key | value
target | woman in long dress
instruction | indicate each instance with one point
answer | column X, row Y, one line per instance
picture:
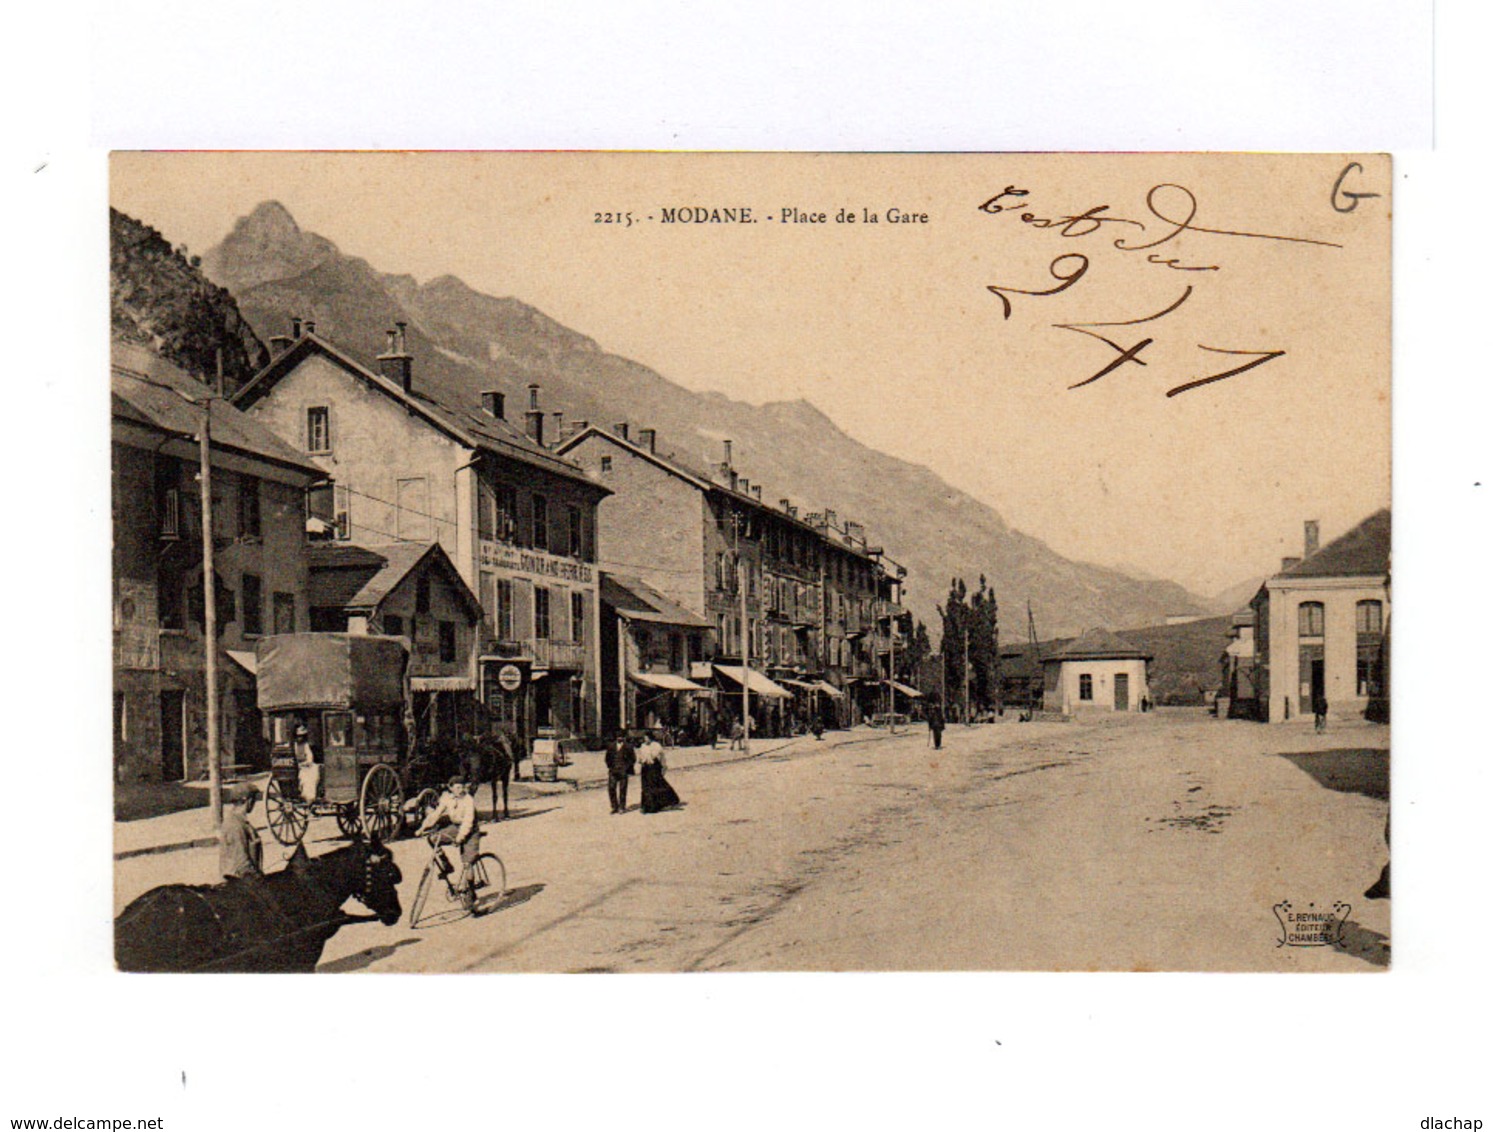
column 657, row 793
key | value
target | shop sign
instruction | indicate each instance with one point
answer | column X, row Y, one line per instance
column 535, row 563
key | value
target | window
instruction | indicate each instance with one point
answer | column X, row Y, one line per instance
column 413, row 520
column 447, row 631
column 284, row 613
column 1085, row 686
column 393, row 625
column 541, row 613
column 676, row 651
column 121, row 718
column 248, row 507
column 342, row 507
column 171, row 513
column 252, row 597
column 422, row 594
column 507, row 503
column 504, row 624
column 573, row 516
column 487, row 511
column 606, row 465
column 1309, row 619
column 578, row 618
column 318, row 429
column 1370, row 616
column 541, row 523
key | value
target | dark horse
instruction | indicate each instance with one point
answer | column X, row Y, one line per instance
column 279, row 922
column 490, row 758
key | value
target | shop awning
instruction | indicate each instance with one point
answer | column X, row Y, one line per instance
column 442, row 684
column 911, row 693
column 828, row 689
column 667, row 681
column 801, row 685
column 759, row 684
column 244, row 660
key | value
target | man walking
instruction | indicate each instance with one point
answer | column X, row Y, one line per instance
column 621, row 758
column 936, row 725
column 1319, row 711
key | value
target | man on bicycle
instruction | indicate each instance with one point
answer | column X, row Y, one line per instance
column 456, row 819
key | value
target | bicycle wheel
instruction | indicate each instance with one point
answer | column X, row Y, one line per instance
column 422, row 894
column 489, row 883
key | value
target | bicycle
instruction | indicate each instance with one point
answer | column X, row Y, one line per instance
column 486, row 890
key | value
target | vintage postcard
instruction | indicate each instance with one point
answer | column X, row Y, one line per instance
column 612, row 562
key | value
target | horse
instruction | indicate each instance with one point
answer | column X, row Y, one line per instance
column 489, row 758
column 278, row 922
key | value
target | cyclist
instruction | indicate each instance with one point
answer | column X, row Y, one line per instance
column 455, row 817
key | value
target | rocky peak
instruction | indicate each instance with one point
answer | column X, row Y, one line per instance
column 265, row 246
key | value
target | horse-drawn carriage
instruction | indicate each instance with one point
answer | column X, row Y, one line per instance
column 351, row 695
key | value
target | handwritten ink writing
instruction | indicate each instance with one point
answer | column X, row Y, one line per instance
column 1260, row 358
column 993, row 205
column 1130, row 355
column 1177, row 264
column 1066, row 281
column 1185, row 223
column 1340, row 194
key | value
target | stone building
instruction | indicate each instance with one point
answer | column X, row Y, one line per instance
column 1321, row 627
column 259, row 486
column 1096, row 672
column 818, row 599
column 413, row 462
column 411, row 590
column 649, row 647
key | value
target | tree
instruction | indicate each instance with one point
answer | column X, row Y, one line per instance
column 971, row 647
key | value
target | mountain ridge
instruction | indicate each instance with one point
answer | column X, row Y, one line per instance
column 464, row 340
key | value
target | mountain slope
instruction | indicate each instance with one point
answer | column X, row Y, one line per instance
column 159, row 298
column 463, row 339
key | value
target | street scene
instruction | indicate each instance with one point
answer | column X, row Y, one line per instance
column 1015, row 612
column 1105, row 846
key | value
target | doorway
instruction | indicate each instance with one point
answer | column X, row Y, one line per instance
column 1122, row 691
column 173, row 736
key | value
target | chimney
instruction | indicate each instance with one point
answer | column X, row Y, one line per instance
column 1313, row 529
column 534, row 416
column 279, row 344
column 757, row 491
column 786, row 505
column 559, row 433
column 829, row 518
column 1287, row 563
column 311, row 326
column 620, row 430
column 394, row 363
column 492, row 403
column 648, row 438
column 792, row 511
column 745, row 485
column 578, row 427
column 295, row 328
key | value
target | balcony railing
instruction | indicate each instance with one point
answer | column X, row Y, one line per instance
column 558, row 654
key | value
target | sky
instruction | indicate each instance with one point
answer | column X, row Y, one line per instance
column 1257, row 261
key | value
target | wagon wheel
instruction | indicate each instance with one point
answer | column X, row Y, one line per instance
column 287, row 817
column 348, row 820
column 380, row 804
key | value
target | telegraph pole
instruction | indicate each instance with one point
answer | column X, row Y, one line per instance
column 210, row 614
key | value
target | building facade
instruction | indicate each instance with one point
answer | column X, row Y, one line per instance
column 258, row 489
column 650, row 646
column 805, row 598
column 1321, row 628
column 411, row 463
column 1096, row 672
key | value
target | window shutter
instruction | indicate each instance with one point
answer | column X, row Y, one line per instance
column 523, row 609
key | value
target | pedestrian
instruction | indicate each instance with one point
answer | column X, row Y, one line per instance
column 738, row 736
column 936, row 725
column 657, row 793
column 240, row 851
column 816, row 725
column 1319, row 711
column 308, row 773
column 621, row 759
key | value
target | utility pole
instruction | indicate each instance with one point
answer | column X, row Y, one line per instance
column 892, row 662
column 966, row 676
column 210, row 613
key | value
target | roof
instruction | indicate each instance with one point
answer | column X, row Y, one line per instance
column 1242, row 617
column 1362, row 552
column 148, row 390
column 1099, row 644
column 452, row 412
column 704, row 481
column 347, row 576
column 635, row 600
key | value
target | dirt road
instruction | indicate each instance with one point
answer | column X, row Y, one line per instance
column 1157, row 842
